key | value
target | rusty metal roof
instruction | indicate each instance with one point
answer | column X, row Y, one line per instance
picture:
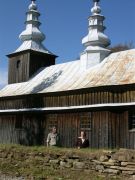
column 116, row 69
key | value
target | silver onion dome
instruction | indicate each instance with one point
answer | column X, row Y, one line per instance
column 96, row 36
column 32, row 31
column 95, row 42
column 32, row 37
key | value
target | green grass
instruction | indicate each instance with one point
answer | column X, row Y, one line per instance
column 30, row 162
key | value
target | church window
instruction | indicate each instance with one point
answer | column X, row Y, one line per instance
column 86, row 121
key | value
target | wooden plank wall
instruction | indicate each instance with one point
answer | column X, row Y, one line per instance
column 118, row 130
column 20, row 74
column 7, row 134
column 44, row 60
column 100, row 130
column 68, row 128
column 28, row 65
column 41, row 100
column 30, row 132
column 109, row 130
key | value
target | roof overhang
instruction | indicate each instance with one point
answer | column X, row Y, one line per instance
column 30, row 50
column 94, row 107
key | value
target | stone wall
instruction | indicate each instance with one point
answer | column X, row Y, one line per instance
column 116, row 163
column 120, row 162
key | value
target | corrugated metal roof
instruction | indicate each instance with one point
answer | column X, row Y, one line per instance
column 116, row 69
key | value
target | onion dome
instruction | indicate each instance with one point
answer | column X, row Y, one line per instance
column 96, row 36
column 96, row 42
column 32, row 37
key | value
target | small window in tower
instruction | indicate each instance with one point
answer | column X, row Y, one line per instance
column 18, row 122
column 86, row 121
column 18, row 64
column 131, row 120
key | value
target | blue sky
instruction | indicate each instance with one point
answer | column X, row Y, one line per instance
column 64, row 23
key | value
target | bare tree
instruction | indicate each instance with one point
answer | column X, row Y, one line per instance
column 122, row 47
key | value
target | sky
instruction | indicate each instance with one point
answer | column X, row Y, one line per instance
column 65, row 23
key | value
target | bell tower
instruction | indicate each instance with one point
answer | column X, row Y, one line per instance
column 31, row 55
column 96, row 42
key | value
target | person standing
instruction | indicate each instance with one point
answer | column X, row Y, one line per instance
column 82, row 141
column 53, row 138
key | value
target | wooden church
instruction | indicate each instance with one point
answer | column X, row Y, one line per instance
column 95, row 93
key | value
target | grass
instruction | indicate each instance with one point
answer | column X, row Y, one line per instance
column 30, row 162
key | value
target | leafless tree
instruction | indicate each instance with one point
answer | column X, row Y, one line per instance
column 122, row 47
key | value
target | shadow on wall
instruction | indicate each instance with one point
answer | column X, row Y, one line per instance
column 47, row 82
column 31, row 134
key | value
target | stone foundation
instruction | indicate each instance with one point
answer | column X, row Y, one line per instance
column 116, row 163
column 120, row 162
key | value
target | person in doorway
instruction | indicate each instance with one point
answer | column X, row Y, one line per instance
column 53, row 138
column 82, row 141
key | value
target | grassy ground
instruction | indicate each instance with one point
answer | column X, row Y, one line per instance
column 30, row 163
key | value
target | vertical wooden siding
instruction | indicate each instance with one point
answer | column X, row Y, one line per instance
column 108, row 129
column 68, row 128
column 30, row 132
column 40, row 100
column 20, row 74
